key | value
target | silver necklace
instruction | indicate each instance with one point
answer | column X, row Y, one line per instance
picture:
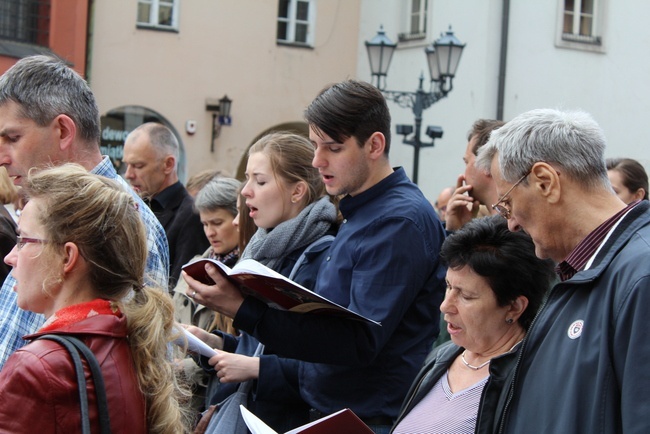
column 476, row 368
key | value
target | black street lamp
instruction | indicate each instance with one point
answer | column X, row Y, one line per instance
column 443, row 57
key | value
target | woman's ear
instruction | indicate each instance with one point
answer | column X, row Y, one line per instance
column 517, row 307
column 70, row 256
column 299, row 192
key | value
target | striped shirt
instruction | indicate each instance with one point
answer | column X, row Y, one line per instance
column 586, row 248
column 16, row 323
column 443, row 412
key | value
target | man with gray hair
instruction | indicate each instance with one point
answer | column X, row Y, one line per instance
column 580, row 367
column 48, row 115
column 151, row 158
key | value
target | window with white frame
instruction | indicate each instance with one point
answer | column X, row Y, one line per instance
column 296, row 22
column 160, row 14
column 416, row 21
column 580, row 21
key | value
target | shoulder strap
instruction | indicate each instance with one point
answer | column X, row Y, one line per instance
column 74, row 347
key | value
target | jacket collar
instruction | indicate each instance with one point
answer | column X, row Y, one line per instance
column 103, row 325
column 637, row 218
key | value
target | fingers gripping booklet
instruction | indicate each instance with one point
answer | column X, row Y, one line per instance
column 278, row 292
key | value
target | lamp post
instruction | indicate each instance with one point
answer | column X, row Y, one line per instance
column 443, row 57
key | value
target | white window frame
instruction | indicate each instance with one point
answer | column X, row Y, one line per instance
column 423, row 18
column 573, row 40
column 153, row 14
column 291, row 22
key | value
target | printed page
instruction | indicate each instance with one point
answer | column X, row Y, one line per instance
column 254, row 423
column 194, row 344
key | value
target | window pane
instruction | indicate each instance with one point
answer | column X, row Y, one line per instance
column 301, row 33
column 568, row 23
column 415, row 24
column 282, row 31
column 415, row 6
column 302, row 11
column 587, row 7
column 585, row 26
column 165, row 15
column 144, row 10
column 569, row 6
column 283, row 9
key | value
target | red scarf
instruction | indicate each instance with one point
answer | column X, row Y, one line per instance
column 77, row 312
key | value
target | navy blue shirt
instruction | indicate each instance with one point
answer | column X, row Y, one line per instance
column 383, row 264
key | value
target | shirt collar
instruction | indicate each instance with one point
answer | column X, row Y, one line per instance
column 350, row 203
column 165, row 197
column 587, row 248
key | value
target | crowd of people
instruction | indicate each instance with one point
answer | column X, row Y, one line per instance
column 516, row 303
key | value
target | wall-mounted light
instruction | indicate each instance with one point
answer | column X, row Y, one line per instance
column 220, row 115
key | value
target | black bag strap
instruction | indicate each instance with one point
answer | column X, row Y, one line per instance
column 74, row 347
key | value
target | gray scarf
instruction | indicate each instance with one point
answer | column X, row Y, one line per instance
column 270, row 247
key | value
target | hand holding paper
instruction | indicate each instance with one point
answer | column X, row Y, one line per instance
column 194, row 344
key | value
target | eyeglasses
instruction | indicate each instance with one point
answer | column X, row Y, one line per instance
column 503, row 209
column 21, row 241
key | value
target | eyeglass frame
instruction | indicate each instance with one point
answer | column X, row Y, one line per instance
column 23, row 241
column 501, row 209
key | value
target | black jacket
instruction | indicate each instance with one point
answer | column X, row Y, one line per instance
column 494, row 393
column 174, row 208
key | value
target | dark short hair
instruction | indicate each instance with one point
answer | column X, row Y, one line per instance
column 350, row 109
column 482, row 129
column 632, row 172
column 505, row 259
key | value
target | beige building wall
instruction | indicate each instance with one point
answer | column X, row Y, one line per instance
column 222, row 47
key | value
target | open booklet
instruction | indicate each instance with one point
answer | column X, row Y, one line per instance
column 271, row 287
column 341, row 422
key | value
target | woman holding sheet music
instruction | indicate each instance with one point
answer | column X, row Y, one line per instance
column 82, row 248
column 296, row 221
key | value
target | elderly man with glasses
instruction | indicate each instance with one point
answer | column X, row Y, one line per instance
column 581, row 364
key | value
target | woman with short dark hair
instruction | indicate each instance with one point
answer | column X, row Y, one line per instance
column 495, row 285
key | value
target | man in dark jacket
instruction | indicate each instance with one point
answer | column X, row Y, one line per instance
column 151, row 156
column 580, row 367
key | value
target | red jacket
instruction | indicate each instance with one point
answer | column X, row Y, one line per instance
column 38, row 386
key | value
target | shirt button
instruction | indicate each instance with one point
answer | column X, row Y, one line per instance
column 345, row 220
column 328, row 258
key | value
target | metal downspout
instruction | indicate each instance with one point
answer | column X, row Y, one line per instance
column 503, row 56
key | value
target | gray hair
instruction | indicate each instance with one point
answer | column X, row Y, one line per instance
column 219, row 193
column 571, row 140
column 44, row 87
column 161, row 138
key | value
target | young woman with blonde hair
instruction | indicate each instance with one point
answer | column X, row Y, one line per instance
column 286, row 198
column 80, row 260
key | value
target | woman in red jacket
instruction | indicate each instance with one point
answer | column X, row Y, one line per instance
column 80, row 261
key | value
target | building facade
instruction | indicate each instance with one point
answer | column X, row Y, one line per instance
column 519, row 55
column 173, row 60
column 178, row 58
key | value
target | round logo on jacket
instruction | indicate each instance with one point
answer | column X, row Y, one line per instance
column 575, row 329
